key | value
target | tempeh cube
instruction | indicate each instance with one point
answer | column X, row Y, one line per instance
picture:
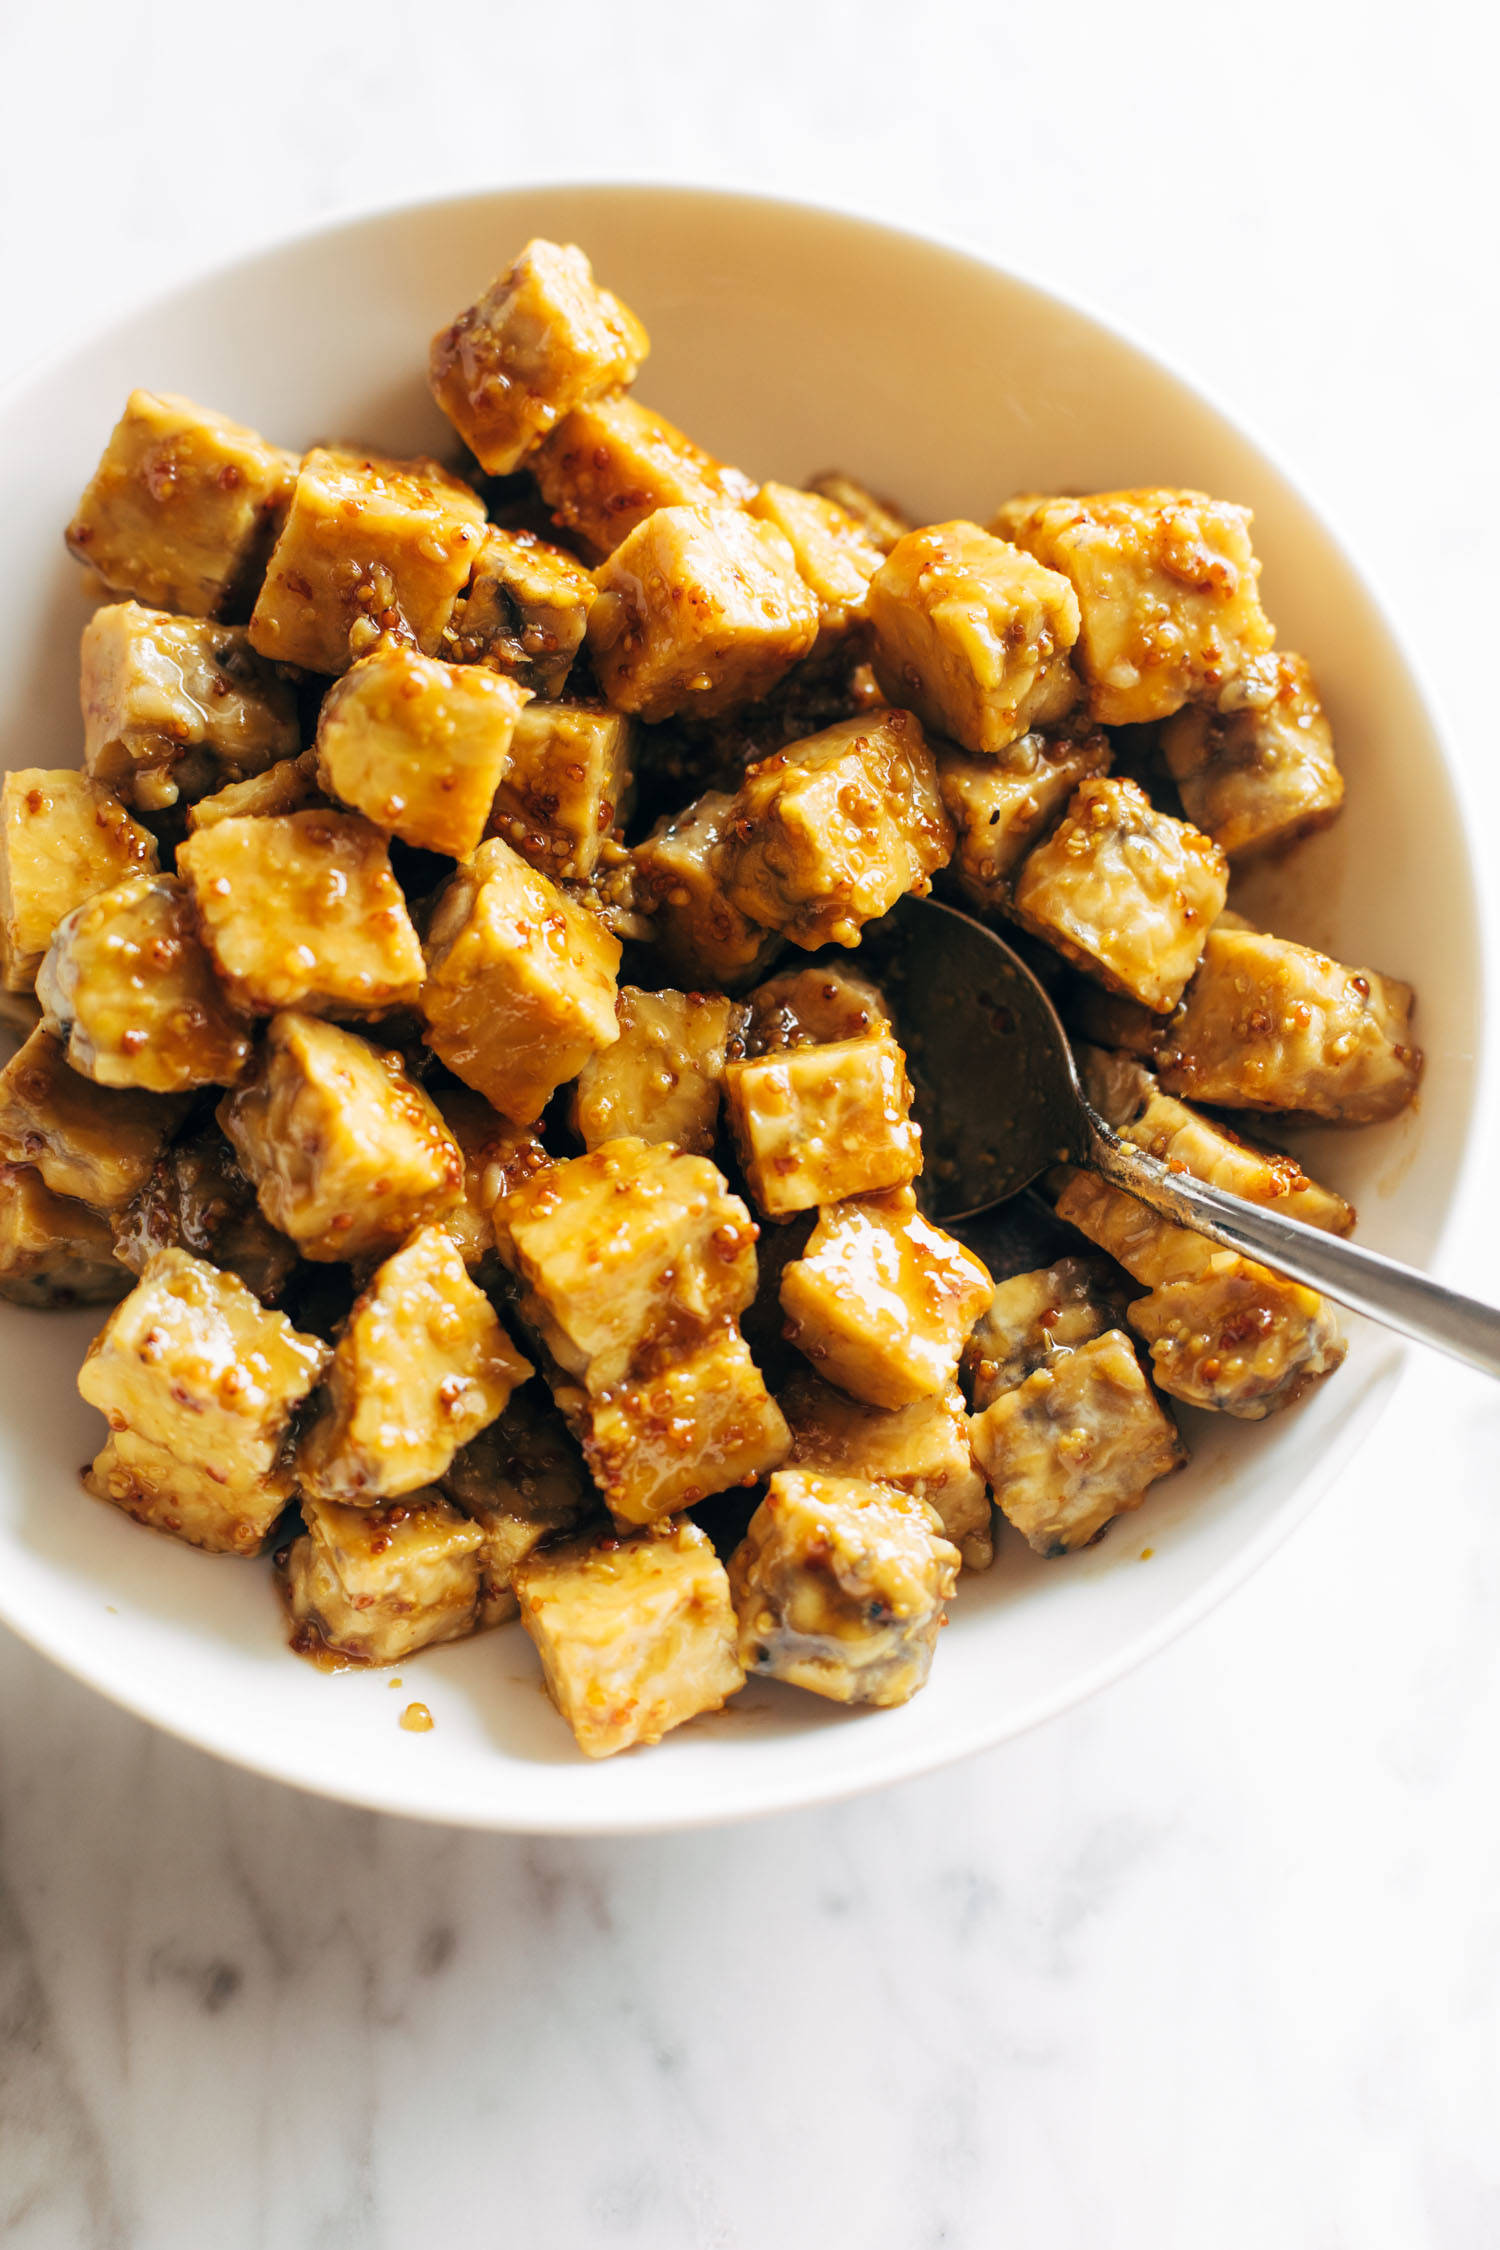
column 880, row 520
column 1267, row 1024
column 54, row 1251
column 813, row 1007
column 543, row 339
column 63, row 836
column 564, row 785
column 1077, row 1443
column 700, row 1421
column 635, row 1635
column 175, row 707
column 1033, row 1319
column 368, row 542
column 661, row 1080
column 698, row 610
column 199, row 1384
column 629, row 1246
column 374, row 1585
column 496, row 1156
column 816, row 1124
column 199, row 1199
column 1168, row 592
column 525, row 611
column 613, row 463
column 881, row 1301
column 680, row 871
column 422, row 1366
column 1255, row 768
column 973, row 636
column 301, row 910
column 834, row 553
column 183, row 507
column 922, row 1449
column 418, row 746
column 287, row 787
column 1000, row 807
column 129, row 984
column 1124, row 892
column 839, row 1586
column 93, row 1142
column 830, row 832
column 522, row 1482
column 520, row 984
column 347, row 1155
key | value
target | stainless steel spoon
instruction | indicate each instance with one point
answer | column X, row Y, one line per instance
column 999, row 1099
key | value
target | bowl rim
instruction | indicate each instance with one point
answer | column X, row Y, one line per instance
column 964, row 1742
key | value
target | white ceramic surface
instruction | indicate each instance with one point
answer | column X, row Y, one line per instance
column 788, row 340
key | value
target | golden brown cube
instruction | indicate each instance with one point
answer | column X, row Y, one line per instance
column 421, row 1366
column 1271, row 1025
column 183, row 507
column 176, row 706
column 1033, row 1319
column 1168, row 593
column 698, row 610
column 613, row 463
column 839, row 1587
column 53, row 1250
column 881, row 1301
column 347, row 1155
column 287, row 787
column 700, row 1421
column 813, row 1007
column 1256, row 768
column 524, row 613
column 880, row 520
column 635, row 1635
column 199, row 1199
column 973, row 636
column 128, row 983
column 632, row 1245
column 1000, row 807
column 1076, row 1443
column 520, row 984
column 93, row 1142
column 374, row 1585
column 63, row 836
column 816, row 1124
column 922, row 1449
column 521, row 1482
column 564, row 785
column 680, row 872
column 661, row 1079
column 418, row 746
column 543, row 339
column 199, row 1384
column 301, row 910
column 1124, row 892
column 830, row 832
column 834, row 553
column 367, row 542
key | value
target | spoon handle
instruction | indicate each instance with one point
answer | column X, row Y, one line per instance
column 1396, row 1295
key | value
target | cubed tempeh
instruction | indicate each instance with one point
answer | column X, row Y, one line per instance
column 97, row 1143
column 1001, row 806
column 661, row 1079
column 813, row 1007
column 369, row 543
column 54, row 1251
column 182, row 509
column 922, row 1449
column 374, row 1585
column 612, row 463
column 199, row 1199
column 973, row 635
column 839, row 1586
column 881, row 1301
column 1167, row 590
column 544, row 338
column 301, row 910
column 635, row 1635
column 130, row 986
column 520, row 984
column 1077, row 1443
column 1124, row 892
column 565, row 785
column 522, row 1482
column 1255, row 768
column 287, row 787
column 524, row 613
column 1033, row 1319
column 680, row 873
column 63, row 836
column 881, row 520
column 814, row 1124
column 834, row 553
column 347, row 1155
column 175, row 707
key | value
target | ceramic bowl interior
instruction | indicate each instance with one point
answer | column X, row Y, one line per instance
column 790, row 341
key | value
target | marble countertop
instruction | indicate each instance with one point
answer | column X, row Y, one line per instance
column 1214, row 1958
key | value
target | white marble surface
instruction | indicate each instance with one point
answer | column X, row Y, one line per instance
column 1215, row 1959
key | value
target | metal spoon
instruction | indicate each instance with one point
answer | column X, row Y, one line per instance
column 1000, row 1101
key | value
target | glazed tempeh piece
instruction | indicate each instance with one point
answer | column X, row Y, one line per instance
column 94, row 1142
column 611, row 464
column 565, row 785
column 661, row 1080
column 1034, row 1319
column 63, row 837
column 680, row 872
column 922, row 1449
column 175, row 707
column 522, row 1482
column 199, row 1199
column 834, row 553
column 374, row 1585
column 882, row 522
column 1255, row 768
column 54, row 1252
column 524, row 612
column 813, row 1007
column 1001, row 806
column 814, row 1124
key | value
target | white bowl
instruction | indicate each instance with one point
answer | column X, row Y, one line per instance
column 789, row 340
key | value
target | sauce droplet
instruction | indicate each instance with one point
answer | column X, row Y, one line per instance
column 417, row 1719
